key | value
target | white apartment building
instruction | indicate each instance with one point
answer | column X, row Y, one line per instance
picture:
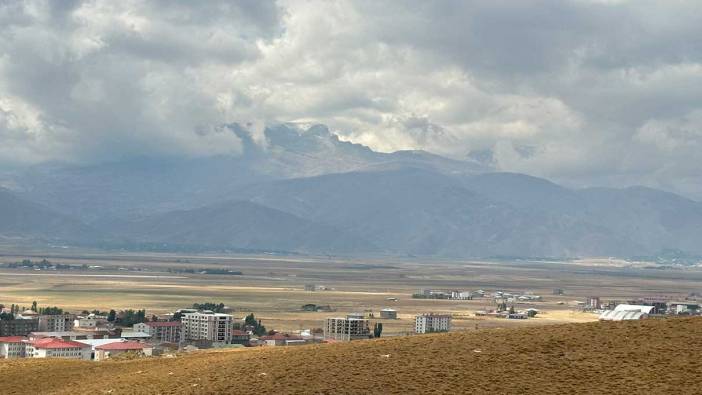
column 215, row 327
column 346, row 329
column 56, row 323
column 12, row 347
column 426, row 323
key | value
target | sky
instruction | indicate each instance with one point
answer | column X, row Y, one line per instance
column 583, row 92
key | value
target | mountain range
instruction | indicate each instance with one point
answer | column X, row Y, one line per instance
column 305, row 191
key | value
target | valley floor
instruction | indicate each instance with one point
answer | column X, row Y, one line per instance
column 648, row 356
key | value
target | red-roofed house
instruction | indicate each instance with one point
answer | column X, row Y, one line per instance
column 12, row 346
column 57, row 348
column 161, row 331
column 111, row 350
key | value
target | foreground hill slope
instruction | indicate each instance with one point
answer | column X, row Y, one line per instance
column 650, row 356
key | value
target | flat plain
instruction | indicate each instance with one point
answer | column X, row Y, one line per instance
column 272, row 287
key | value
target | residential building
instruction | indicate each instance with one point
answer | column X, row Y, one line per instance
column 240, row 337
column 593, row 302
column 112, row 350
column 426, row 323
column 388, row 314
column 91, row 321
column 57, row 348
column 56, row 323
column 18, row 327
column 280, row 339
column 206, row 325
column 12, row 347
column 346, row 329
column 161, row 331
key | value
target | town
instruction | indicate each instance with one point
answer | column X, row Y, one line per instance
column 51, row 332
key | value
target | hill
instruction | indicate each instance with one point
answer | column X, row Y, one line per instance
column 649, row 356
column 240, row 225
column 22, row 221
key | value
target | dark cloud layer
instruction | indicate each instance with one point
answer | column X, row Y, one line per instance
column 584, row 92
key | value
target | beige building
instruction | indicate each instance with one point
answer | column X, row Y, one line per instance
column 215, row 327
column 112, row 350
column 161, row 331
column 56, row 323
column 346, row 329
column 427, row 323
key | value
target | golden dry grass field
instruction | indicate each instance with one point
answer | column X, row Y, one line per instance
column 636, row 357
column 272, row 287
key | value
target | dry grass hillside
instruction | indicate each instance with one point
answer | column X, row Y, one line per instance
column 651, row 356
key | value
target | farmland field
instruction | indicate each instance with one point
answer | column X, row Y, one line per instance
column 272, row 287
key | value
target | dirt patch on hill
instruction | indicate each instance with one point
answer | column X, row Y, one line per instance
column 650, row 356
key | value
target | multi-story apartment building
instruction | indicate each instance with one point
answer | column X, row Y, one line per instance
column 12, row 346
column 426, row 323
column 345, row 329
column 206, row 325
column 56, row 323
column 18, row 327
column 161, row 331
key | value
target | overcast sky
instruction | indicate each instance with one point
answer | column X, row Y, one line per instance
column 582, row 92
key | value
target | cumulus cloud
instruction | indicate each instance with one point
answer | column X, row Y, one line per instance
column 583, row 92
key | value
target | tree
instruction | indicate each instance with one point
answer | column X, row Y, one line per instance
column 378, row 329
column 111, row 316
column 511, row 309
column 177, row 316
column 34, row 306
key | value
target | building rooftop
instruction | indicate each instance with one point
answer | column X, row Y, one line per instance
column 12, row 339
column 51, row 343
column 99, row 342
column 141, row 335
column 65, row 334
column 125, row 346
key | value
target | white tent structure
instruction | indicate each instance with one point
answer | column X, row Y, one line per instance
column 634, row 307
column 612, row 315
column 626, row 312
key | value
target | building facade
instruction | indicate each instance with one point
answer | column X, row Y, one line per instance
column 55, row 323
column 346, row 329
column 427, row 323
column 215, row 327
column 18, row 327
column 12, row 347
column 161, row 331
column 57, row 348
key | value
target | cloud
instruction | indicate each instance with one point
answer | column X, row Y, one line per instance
column 596, row 92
